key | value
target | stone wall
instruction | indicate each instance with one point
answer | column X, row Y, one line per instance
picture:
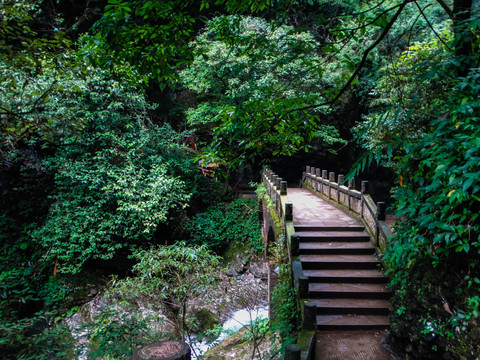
column 277, row 215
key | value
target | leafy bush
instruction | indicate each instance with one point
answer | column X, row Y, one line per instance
column 434, row 256
column 173, row 275
column 115, row 335
column 225, row 223
column 284, row 300
column 34, row 338
column 113, row 185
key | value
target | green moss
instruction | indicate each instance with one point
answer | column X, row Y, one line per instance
column 233, row 250
column 205, row 320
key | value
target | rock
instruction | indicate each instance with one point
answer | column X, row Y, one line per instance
column 249, row 277
column 238, row 347
column 259, row 268
column 238, row 265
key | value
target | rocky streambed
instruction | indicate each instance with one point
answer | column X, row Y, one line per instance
column 238, row 297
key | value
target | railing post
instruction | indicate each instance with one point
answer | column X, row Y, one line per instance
column 351, row 185
column 381, row 211
column 294, row 244
column 277, row 182
column 293, row 352
column 364, row 187
column 318, row 179
column 303, row 287
column 309, row 316
column 380, row 217
column 274, row 179
column 288, row 212
column 340, row 180
column 278, row 203
column 283, row 188
column 308, row 169
column 331, row 179
column 324, row 178
column 364, row 192
column 331, row 176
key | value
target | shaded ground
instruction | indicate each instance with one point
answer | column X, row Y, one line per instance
column 353, row 345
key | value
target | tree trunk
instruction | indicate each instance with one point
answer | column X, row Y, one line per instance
column 462, row 11
column 163, row 350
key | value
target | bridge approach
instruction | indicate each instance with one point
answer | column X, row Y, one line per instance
column 334, row 235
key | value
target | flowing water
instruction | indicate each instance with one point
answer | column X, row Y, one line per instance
column 236, row 321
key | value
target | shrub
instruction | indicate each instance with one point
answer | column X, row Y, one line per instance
column 225, row 223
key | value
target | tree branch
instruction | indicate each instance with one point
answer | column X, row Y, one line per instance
column 373, row 21
column 362, row 61
column 430, row 25
column 35, row 104
column 446, row 8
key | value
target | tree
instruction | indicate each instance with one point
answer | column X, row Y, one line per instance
column 424, row 125
column 112, row 184
column 173, row 274
column 152, row 35
column 249, row 76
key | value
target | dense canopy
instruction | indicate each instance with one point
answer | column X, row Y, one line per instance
column 110, row 109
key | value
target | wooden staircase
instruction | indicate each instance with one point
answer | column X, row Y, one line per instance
column 345, row 280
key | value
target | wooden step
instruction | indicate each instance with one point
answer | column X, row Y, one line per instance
column 352, row 306
column 339, row 262
column 326, row 236
column 336, row 248
column 348, row 291
column 319, row 227
column 342, row 275
column 351, row 322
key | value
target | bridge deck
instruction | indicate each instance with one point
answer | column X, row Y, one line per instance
column 312, row 210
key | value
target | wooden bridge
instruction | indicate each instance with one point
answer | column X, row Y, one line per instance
column 334, row 234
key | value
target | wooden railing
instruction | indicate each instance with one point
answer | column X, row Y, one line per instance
column 358, row 203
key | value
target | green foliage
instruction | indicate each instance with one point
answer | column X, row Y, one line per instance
column 426, row 127
column 250, row 78
column 112, row 184
column 34, row 338
column 115, row 335
column 228, row 223
column 408, row 88
column 152, row 36
column 284, row 300
column 442, row 170
column 173, row 274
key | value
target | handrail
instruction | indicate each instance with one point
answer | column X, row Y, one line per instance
column 358, row 203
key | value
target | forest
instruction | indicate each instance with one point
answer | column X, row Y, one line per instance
column 128, row 128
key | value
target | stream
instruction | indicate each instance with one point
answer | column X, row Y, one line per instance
column 237, row 320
